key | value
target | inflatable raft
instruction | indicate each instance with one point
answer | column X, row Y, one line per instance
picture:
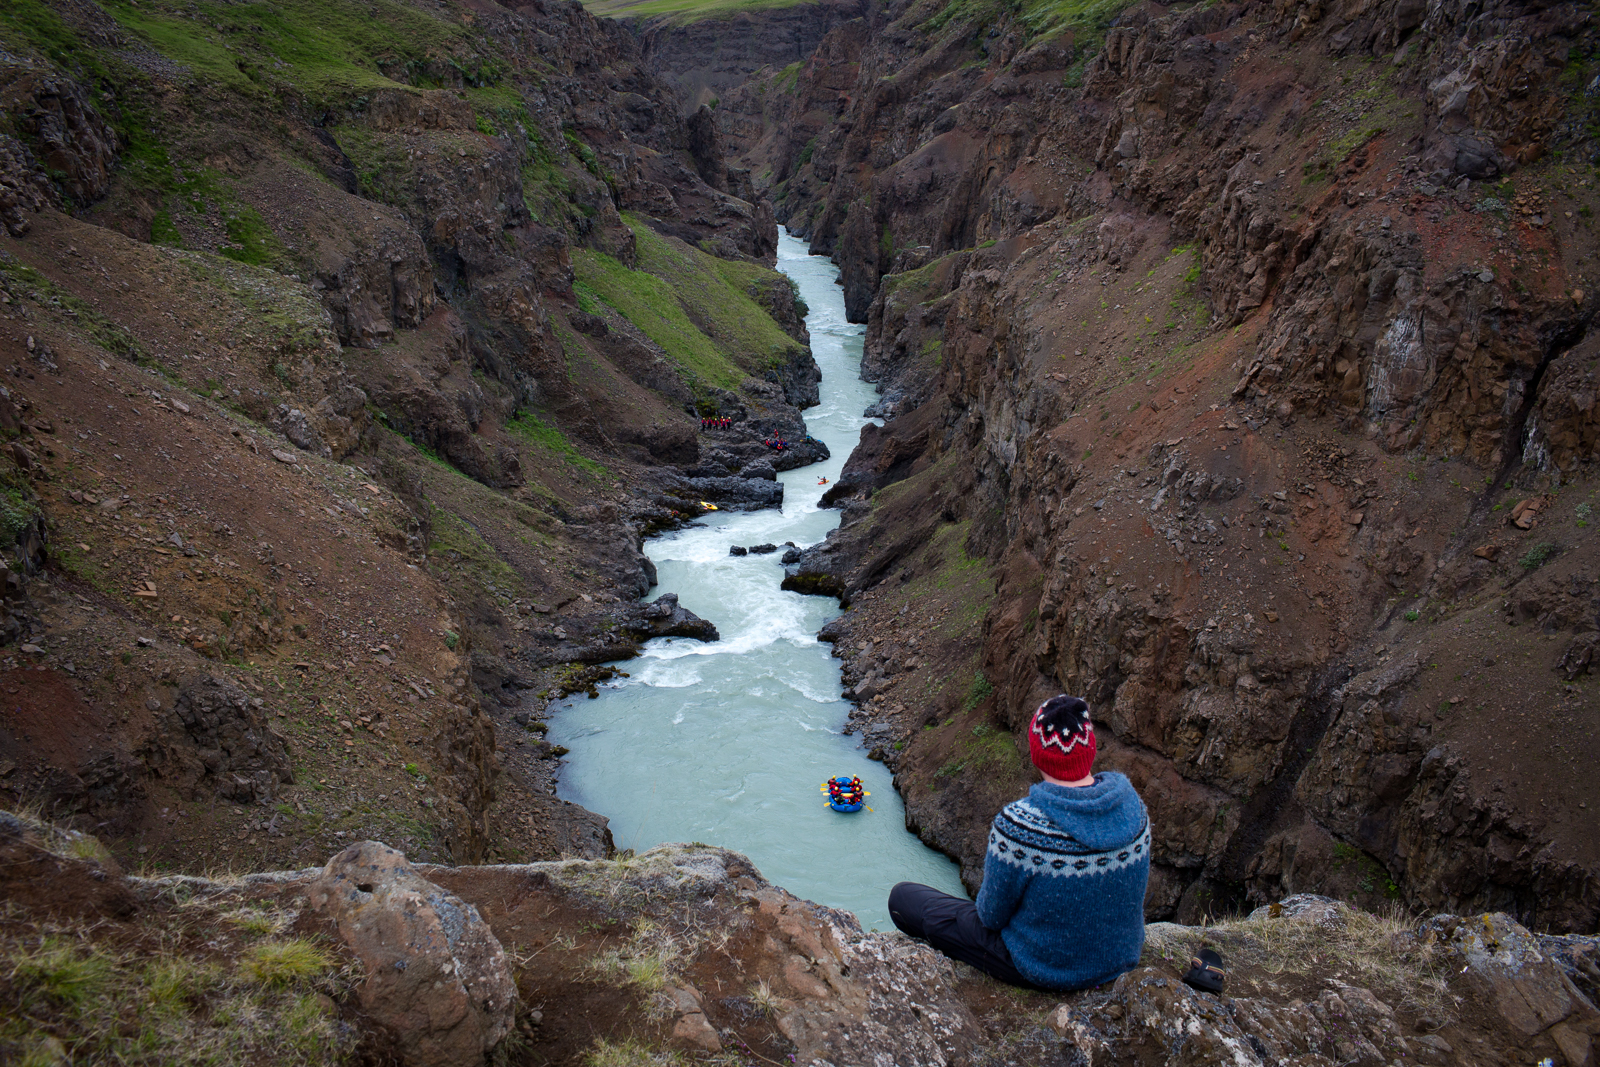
column 845, row 793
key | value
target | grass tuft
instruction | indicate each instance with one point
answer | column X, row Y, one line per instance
column 630, row 1053
column 645, row 961
column 63, row 973
column 278, row 964
column 1380, row 951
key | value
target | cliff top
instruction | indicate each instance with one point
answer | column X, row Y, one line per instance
column 686, row 954
column 682, row 12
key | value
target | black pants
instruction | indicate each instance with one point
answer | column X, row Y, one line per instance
column 952, row 926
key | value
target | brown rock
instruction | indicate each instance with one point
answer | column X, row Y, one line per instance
column 692, row 1028
column 1504, row 962
column 1488, row 552
column 214, row 736
column 1574, row 1044
column 437, row 977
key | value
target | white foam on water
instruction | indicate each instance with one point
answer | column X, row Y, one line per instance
column 728, row 742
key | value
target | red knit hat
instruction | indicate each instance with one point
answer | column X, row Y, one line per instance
column 1061, row 738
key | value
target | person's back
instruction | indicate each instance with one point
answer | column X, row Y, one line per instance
column 1064, row 877
column 1064, row 881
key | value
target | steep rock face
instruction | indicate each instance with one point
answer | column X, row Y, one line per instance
column 770, row 120
column 1223, row 538
column 53, row 114
column 705, row 58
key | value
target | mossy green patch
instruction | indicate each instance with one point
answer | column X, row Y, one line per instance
column 32, row 25
column 553, row 444
column 1372, row 95
column 1085, row 20
column 250, row 239
column 164, row 232
column 324, row 49
column 985, row 746
column 697, row 307
column 456, row 541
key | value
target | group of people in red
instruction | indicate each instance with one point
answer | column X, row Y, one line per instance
column 716, row 422
column 777, row 444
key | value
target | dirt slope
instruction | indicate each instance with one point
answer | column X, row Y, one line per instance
column 349, row 354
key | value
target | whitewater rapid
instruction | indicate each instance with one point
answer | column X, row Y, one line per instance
column 728, row 743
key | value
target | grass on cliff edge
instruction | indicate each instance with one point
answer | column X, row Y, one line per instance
column 1380, row 952
column 1086, row 20
column 683, row 12
column 320, row 47
column 180, row 984
column 697, row 307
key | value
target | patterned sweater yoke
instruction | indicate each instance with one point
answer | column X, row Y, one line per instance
column 1024, row 836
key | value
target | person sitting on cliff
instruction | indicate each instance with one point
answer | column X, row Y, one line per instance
column 1062, row 901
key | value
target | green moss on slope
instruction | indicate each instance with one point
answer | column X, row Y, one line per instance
column 697, row 307
column 321, row 48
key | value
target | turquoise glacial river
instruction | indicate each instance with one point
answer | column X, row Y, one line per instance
column 727, row 743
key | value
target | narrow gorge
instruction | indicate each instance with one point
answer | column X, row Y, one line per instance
column 371, row 369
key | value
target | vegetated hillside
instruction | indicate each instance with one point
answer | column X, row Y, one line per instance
column 1242, row 370
column 349, row 350
column 685, row 954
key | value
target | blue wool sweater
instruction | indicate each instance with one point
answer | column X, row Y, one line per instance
column 1064, row 881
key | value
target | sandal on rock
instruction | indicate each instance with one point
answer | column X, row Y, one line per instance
column 1205, row 971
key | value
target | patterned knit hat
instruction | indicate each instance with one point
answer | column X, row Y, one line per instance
column 1061, row 738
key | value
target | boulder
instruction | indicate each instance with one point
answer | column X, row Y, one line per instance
column 1150, row 1010
column 217, row 736
column 436, row 976
column 738, row 493
column 761, row 468
column 1499, row 957
column 665, row 617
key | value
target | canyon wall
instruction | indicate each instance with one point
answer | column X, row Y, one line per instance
column 1240, row 367
column 701, row 58
column 349, row 356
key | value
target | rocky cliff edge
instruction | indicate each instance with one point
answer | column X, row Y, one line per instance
column 686, row 954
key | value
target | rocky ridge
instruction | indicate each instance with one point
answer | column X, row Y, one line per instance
column 687, row 950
